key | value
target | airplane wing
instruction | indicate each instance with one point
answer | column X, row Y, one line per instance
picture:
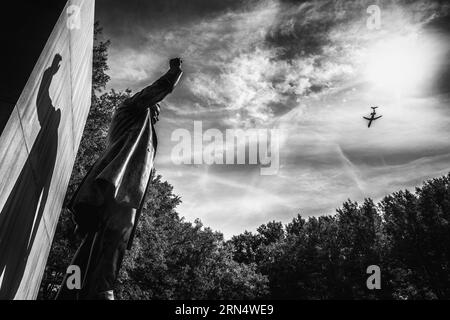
column 377, row 118
column 367, row 118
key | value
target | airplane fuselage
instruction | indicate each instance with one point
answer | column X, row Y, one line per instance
column 372, row 118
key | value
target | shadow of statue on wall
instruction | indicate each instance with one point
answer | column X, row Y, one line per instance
column 22, row 214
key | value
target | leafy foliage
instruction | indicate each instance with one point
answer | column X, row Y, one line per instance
column 99, row 60
column 406, row 235
column 174, row 259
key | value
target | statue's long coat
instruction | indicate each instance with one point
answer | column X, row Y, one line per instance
column 126, row 164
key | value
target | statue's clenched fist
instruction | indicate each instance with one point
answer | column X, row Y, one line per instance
column 175, row 63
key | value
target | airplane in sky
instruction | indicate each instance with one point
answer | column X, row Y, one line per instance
column 372, row 116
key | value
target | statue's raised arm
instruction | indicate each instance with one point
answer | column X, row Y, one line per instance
column 157, row 91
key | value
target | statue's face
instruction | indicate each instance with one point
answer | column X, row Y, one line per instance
column 154, row 113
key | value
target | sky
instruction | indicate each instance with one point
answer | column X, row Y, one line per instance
column 310, row 70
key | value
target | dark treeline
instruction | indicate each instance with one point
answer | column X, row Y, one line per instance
column 406, row 234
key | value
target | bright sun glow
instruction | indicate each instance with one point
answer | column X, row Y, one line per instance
column 399, row 64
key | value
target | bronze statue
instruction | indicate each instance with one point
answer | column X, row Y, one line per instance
column 111, row 195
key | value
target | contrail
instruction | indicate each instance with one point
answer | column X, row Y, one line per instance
column 351, row 169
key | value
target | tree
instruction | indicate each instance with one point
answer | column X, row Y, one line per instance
column 417, row 230
column 174, row 259
column 99, row 60
column 245, row 247
column 407, row 235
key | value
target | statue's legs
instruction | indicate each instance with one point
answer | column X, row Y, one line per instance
column 101, row 253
